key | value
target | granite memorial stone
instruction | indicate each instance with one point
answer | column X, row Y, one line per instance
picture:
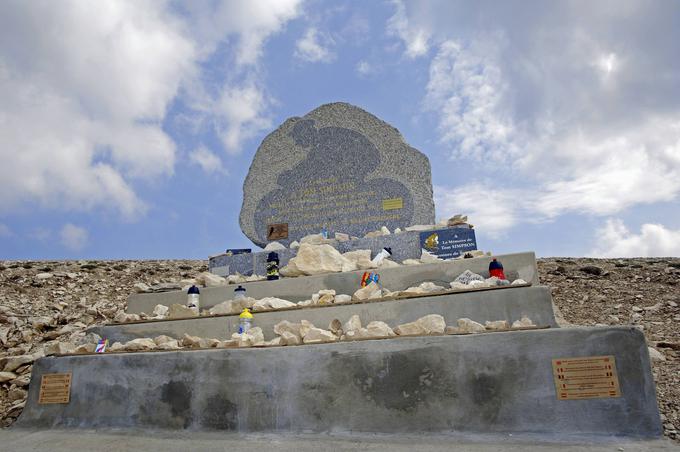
column 338, row 168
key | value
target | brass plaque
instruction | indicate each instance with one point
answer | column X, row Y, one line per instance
column 589, row 377
column 277, row 231
column 393, row 204
column 55, row 388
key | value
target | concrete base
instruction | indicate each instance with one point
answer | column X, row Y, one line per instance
column 494, row 383
column 18, row 439
column 520, row 265
column 509, row 304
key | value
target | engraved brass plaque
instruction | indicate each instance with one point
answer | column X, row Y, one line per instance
column 393, row 204
column 277, row 231
column 589, row 377
column 55, row 388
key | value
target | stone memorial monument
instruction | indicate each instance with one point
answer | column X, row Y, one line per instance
column 339, row 168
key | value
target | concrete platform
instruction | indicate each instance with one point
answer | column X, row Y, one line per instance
column 23, row 440
column 493, row 383
column 508, row 303
column 520, row 265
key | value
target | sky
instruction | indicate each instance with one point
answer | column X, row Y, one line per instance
column 127, row 127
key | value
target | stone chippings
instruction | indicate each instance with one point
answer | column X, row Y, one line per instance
column 49, row 314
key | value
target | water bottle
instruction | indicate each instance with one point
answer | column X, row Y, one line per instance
column 382, row 255
column 239, row 293
column 245, row 321
column 193, row 301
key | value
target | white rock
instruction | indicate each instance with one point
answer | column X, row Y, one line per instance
column 316, row 335
column 236, row 278
column 190, row 341
column 428, row 258
column 160, row 310
column 459, row 286
column 312, row 239
column 518, row 281
column 354, row 323
column 397, row 231
column 273, row 342
column 388, row 263
column 162, row 339
column 341, row 237
column 335, row 326
column 123, row 317
column 14, row 362
column 452, row 330
column 379, row 329
column 59, row 348
column 178, row 311
column 371, row 291
column 385, row 230
column 140, row 287
column 317, row 260
column 305, row 326
column 7, row 376
column 523, row 322
column 425, row 287
column 288, row 327
column 655, row 355
column 466, row 325
column 421, row 227
column 43, row 276
column 409, row 329
column 294, row 244
column 496, row 325
column 253, row 336
column 411, row 262
column 170, row 345
column 140, row 344
column 226, row 307
column 477, row 284
column 342, row 298
column 356, row 334
column 274, row 246
column 116, row 347
column 85, row 348
column 305, row 303
column 288, row 338
column 268, row 303
column 467, row 276
column 432, row 324
column 207, row 279
column 361, row 258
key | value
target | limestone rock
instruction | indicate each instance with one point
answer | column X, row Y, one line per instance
column 455, row 285
column 14, row 362
column 388, row 263
column 518, row 281
column 341, row 237
column 7, row 376
column 425, row 287
column 379, row 329
column 122, row 317
column 269, row 303
column 428, row 258
column 170, row 345
column 43, row 276
column 319, row 259
column 17, row 394
column 354, row 323
column 371, row 291
column 140, row 344
column 411, row 262
column 655, row 355
column 356, row 334
column 324, row 296
column 252, row 337
column 160, row 311
column 452, row 330
column 59, row 348
column 385, row 230
column 140, row 287
column 467, row 276
column 85, row 348
column 432, row 324
column 317, row 335
column 178, row 311
column 496, row 325
column 523, row 322
column 295, row 244
column 288, row 338
column 274, row 246
column 190, row 341
column 312, row 239
column 288, row 327
column 208, row 279
column 305, row 326
column 409, row 329
column 477, row 284
column 361, row 258
column 162, row 339
column 116, row 347
column 421, row 227
column 335, row 326
column 226, row 307
column 466, row 325
column 342, row 298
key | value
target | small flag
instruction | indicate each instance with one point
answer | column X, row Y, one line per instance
column 101, row 346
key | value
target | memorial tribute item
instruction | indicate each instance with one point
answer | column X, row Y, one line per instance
column 496, row 269
column 272, row 266
column 448, row 243
column 245, row 321
column 239, row 293
column 338, row 169
column 193, row 302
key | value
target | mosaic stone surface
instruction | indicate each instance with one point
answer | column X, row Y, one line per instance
column 338, row 167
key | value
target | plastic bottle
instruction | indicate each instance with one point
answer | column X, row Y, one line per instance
column 239, row 293
column 272, row 266
column 245, row 321
column 193, row 299
column 384, row 253
column 324, row 232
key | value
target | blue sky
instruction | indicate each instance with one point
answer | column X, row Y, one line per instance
column 127, row 128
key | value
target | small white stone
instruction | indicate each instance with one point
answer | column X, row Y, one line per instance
column 371, row 291
column 379, row 329
column 178, row 311
column 288, row 338
column 466, row 325
column 140, row 344
column 160, row 311
column 342, row 298
column 317, row 335
column 341, row 237
column 294, row 244
column 432, row 324
column 162, row 339
column 428, row 258
column 208, row 279
column 274, row 246
column 523, row 322
column 496, row 325
column 411, row 262
column 655, row 355
column 43, row 276
column 518, row 281
column 385, row 230
column 409, row 329
column 354, row 323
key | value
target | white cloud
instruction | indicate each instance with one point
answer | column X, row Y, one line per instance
column 85, row 88
column 314, row 47
column 364, row 68
column 415, row 37
column 209, row 162
column 5, row 231
column 73, row 237
column 654, row 240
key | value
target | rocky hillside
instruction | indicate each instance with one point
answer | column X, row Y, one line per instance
column 42, row 303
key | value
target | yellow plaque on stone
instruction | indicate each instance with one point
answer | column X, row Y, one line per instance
column 393, row 204
column 589, row 377
column 55, row 388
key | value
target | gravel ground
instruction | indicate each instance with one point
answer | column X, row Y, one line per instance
column 44, row 302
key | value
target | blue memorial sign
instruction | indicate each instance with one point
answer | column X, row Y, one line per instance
column 448, row 243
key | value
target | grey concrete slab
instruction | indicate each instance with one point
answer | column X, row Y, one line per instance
column 519, row 265
column 490, row 383
column 509, row 304
column 24, row 440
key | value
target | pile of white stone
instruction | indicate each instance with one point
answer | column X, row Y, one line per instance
column 305, row 332
column 326, row 297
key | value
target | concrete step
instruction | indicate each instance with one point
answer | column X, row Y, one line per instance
column 505, row 303
column 488, row 383
column 519, row 265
